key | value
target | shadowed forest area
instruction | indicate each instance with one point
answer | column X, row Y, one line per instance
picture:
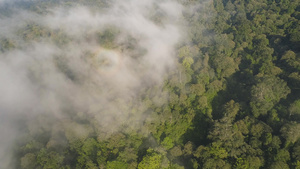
column 227, row 97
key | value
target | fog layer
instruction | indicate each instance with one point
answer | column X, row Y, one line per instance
column 74, row 59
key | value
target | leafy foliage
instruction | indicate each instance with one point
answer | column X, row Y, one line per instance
column 233, row 102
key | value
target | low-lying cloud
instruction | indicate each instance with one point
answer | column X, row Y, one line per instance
column 79, row 72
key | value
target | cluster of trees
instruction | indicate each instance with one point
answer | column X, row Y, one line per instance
column 234, row 101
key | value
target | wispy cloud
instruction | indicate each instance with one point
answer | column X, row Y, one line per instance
column 82, row 74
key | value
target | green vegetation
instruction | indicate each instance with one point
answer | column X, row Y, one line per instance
column 234, row 101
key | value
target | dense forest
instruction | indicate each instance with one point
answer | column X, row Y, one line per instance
column 233, row 100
